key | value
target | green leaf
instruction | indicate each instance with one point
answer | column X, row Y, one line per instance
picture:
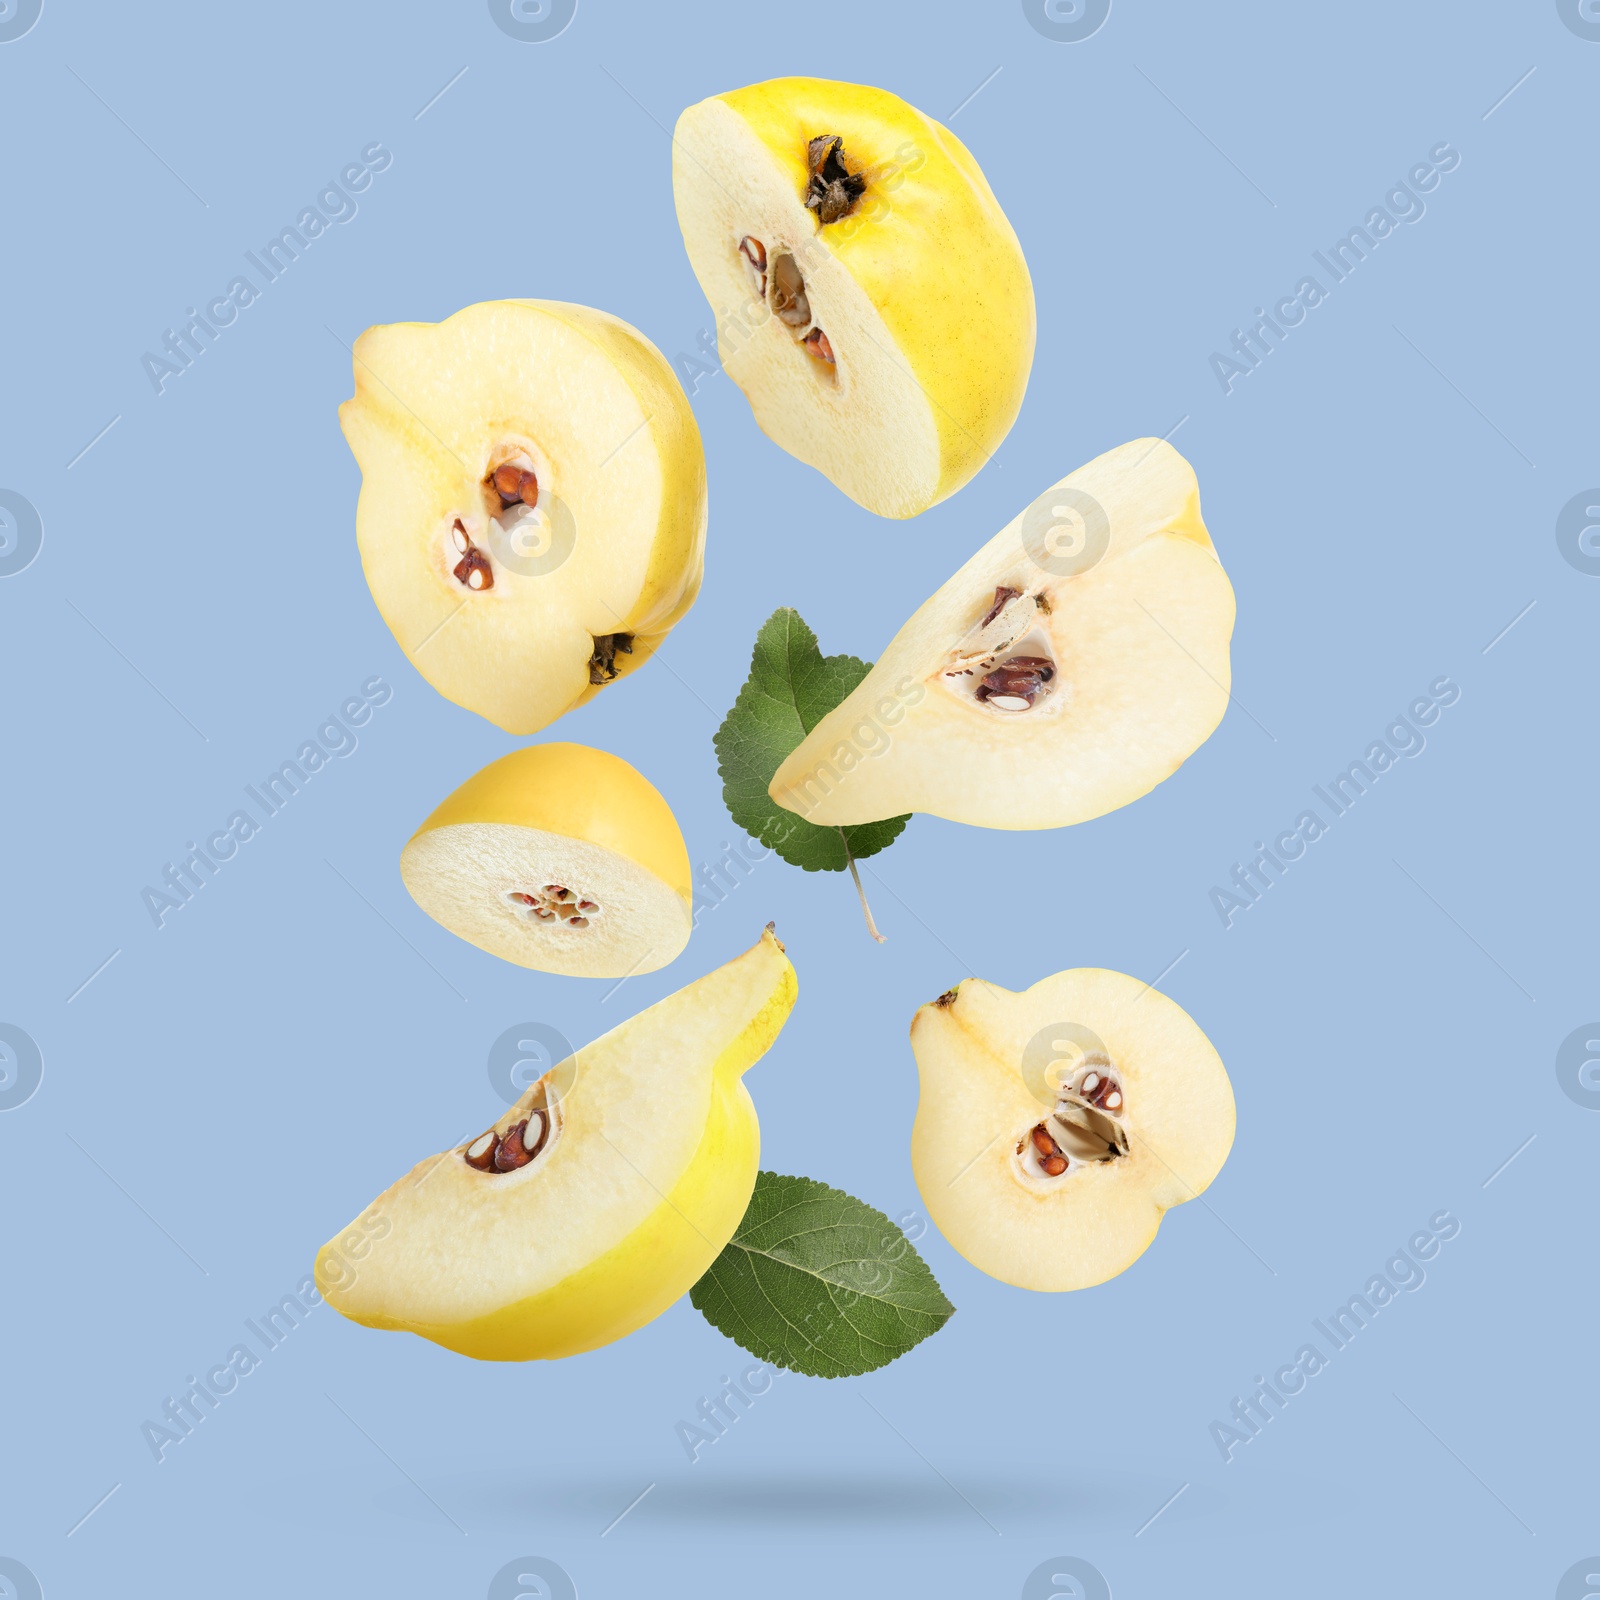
column 792, row 686
column 820, row 1283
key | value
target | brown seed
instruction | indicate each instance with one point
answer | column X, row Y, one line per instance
column 756, row 254
column 522, row 899
column 512, row 1153
column 555, row 889
column 474, row 571
column 587, row 905
column 481, row 1152
column 507, row 479
column 817, row 343
column 1018, row 678
column 1099, row 1090
column 528, row 489
column 1054, row 1166
column 1001, row 596
column 1043, row 1143
column 459, row 535
column 577, row 922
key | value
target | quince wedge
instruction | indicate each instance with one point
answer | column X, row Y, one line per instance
column 871, row 298
column 558, row 857
column 595, row 1202
column 1077, row 660
column 1057, row 1126
column 533, row 501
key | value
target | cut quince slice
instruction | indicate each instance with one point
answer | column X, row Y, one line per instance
column 533, row 501
column 1056, row 1126
column 602, row 1196
column 1073, row 663
column 558, row 857
column 871, row 298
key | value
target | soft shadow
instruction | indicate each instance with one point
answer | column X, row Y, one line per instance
column 973, row 1502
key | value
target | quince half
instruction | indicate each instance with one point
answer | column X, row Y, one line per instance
column 533, row 501
column 1073, row 663
column 558, row 857
column 596, row 1201
column 1057, row 1126
column 871, row 298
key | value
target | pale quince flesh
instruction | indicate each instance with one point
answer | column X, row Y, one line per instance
column 870, row 296
column 595, row 1202
column 1057, row 1126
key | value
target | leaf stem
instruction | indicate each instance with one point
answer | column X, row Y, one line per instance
column 866, row 910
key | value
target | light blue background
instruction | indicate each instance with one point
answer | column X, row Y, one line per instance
column 1383, row 492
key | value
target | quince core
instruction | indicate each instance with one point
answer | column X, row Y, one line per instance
column 596, row 1201
column 1057, row 1126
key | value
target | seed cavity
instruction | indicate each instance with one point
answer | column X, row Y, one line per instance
column 513, row 1149
column 1085, row 1126
column 789, row 303
column 1016, row 683
column 554, row 903
column 1006, row 658
column 603, row 663
column 833, row 189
